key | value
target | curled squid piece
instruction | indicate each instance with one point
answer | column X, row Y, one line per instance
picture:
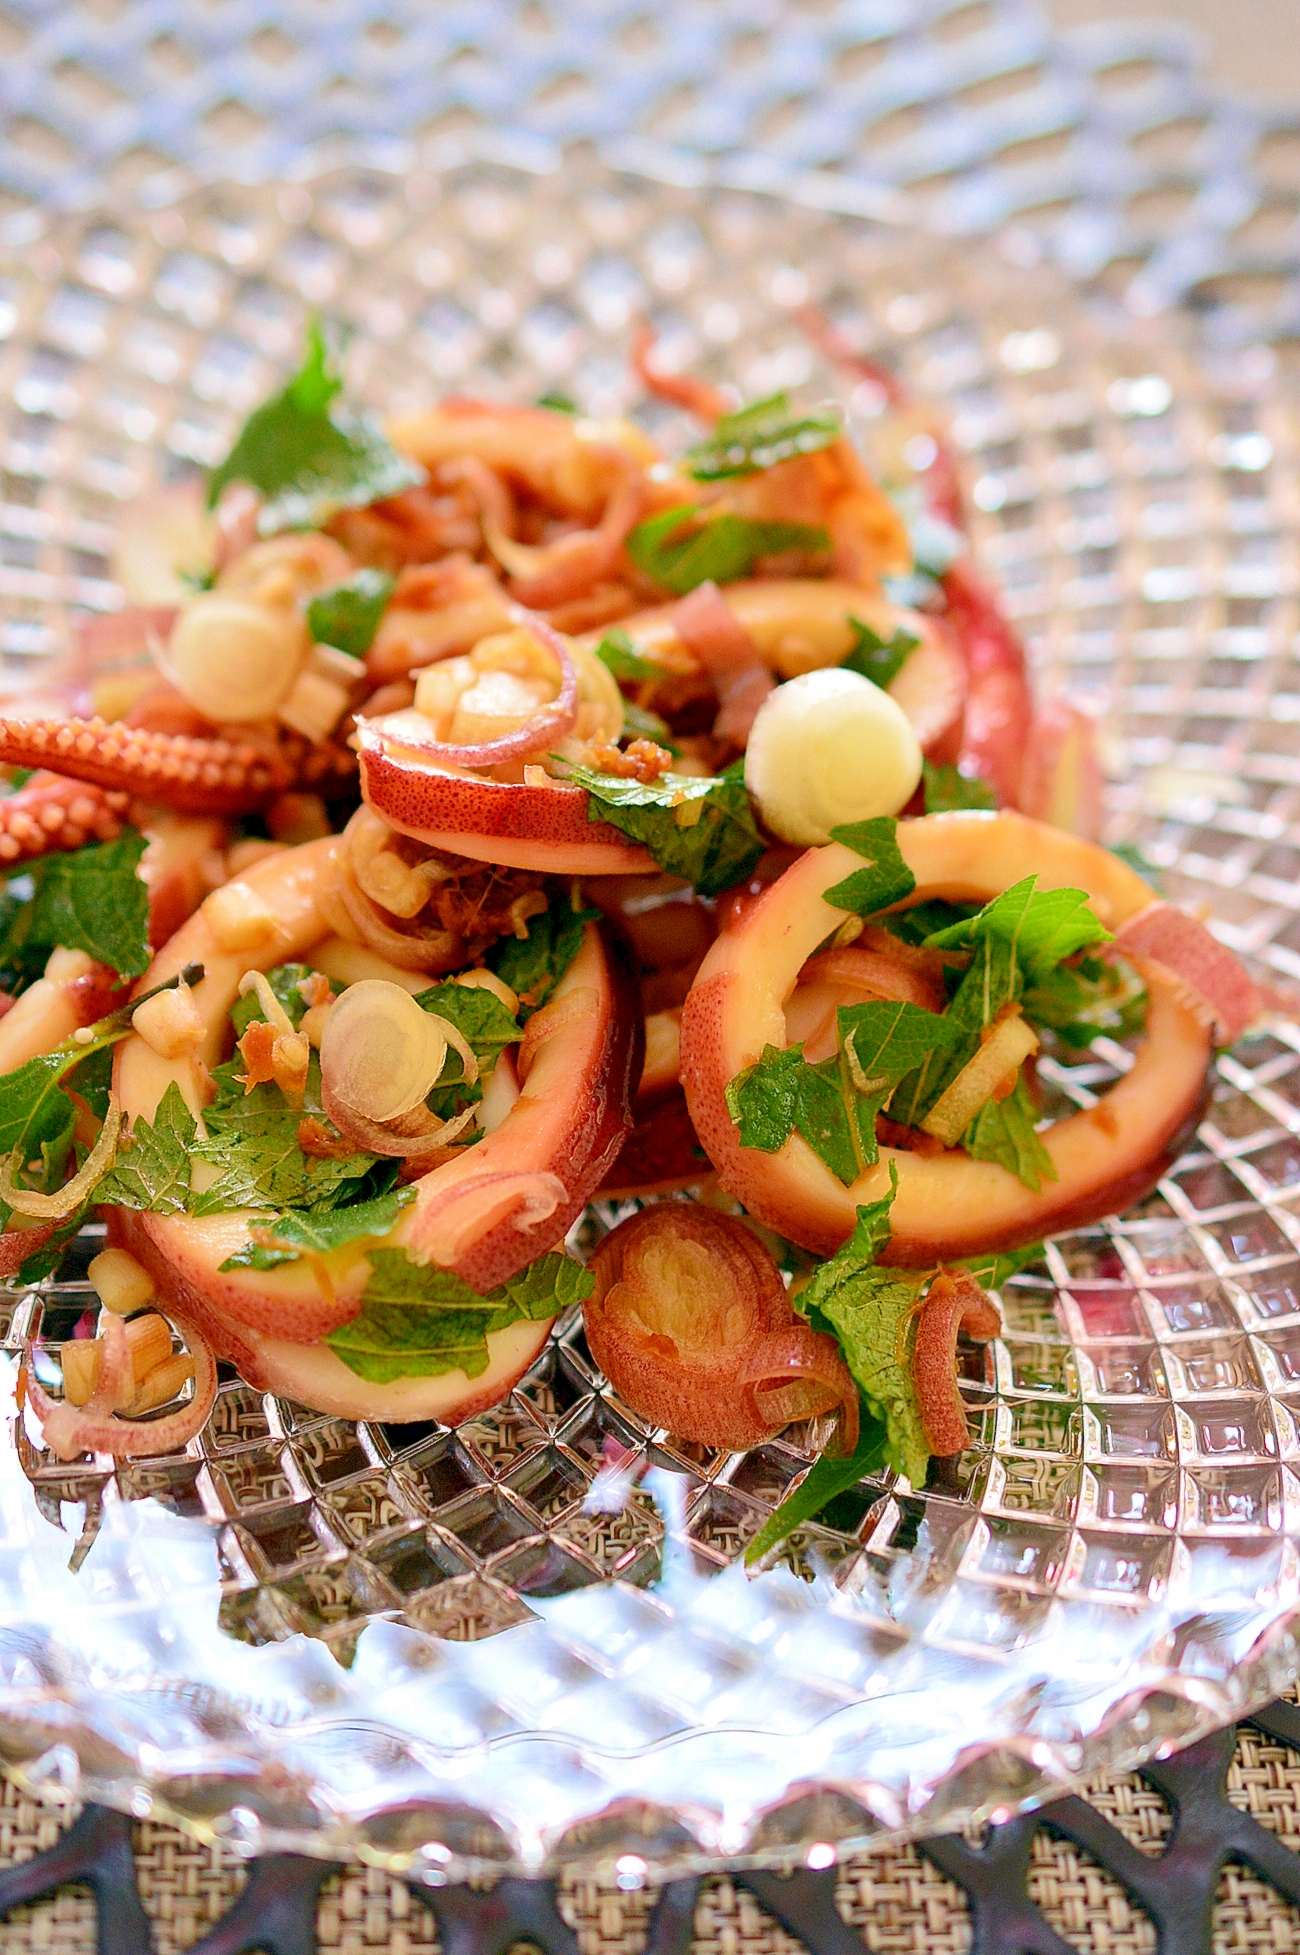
column 463, row 768
column 484, row 1213
column 949, row 1205
column 691, row 1323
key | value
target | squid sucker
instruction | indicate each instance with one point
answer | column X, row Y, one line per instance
column 51, row 815
column 198, row 776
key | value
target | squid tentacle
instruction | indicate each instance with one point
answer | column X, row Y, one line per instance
column 195, row 776
column 52, row 815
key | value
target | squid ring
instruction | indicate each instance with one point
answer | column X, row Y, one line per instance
column 484, row 1214
column 948, row 1205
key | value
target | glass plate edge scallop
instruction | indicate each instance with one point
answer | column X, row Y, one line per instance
column 425, row 1647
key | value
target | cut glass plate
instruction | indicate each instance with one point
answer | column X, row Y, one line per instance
column 431, row 1648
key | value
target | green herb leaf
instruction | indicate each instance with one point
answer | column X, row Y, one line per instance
column 834, row 1103
column 876, row 658
column 487, row 1027
column 824, row 1479
column 992, row 1271
column 285, row 1238
column 558, row 402
column 1088, row 999
column 948, row 787
column 761, row 435
column 886, row 879
column 348, row 615
column 764, row 1099
column 306, row 456
column 1039, row 927
column 418, row 1321
column 701, row 830
column 152, row 1170
column 91, row 900
column 533, row 965
column 917, row 925
column 680, row 548
column 34, row 1112
column 870, row 1311
column 1004, row 1131
column 617, row 651
column 253, row 1138
column 641, row 724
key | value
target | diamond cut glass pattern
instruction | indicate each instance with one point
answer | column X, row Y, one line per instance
column 340, row 1623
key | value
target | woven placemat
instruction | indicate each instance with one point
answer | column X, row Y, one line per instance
column 898, row 1902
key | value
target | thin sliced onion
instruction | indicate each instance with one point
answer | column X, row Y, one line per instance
column 65, row 1200
column 409, row 1137
column 351, row 914
column 68, row 1431
column 552, row 573
column 955, row 1302
column 380, row 1054
column 551, row 723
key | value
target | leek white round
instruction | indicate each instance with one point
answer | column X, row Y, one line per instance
column 826, row 748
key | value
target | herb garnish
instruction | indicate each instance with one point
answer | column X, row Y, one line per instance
column 683, row 547
column 307, row 456
column 348, row 615
column 418, row 1321
column 700, row 829
column 90, row 899
column 760, row 436
column 876, row 658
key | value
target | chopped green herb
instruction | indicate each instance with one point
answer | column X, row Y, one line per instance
column 761, row 435
column 1040, row 927
column 253, row 1139
column 348, row 616
column 922, row 921
column 1086, row 999
column 419, row 1321
column 876, row 658
column 152, row 1170
column 1005, row 1131
column 886, row 879
column 90, row 899
column 824, row 1479
column 834, row 1104
column 307, row 456
column 532, row 966
column 285, row 1238
column 617, row 651
column 559, row 403
column 870, row 1311
column 487, row 1027
column 683, row 547
column 992, row 1271
column 638, row 724
column 701, row 830
column 947, row 788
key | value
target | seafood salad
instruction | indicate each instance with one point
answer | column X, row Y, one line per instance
column 479, row 816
